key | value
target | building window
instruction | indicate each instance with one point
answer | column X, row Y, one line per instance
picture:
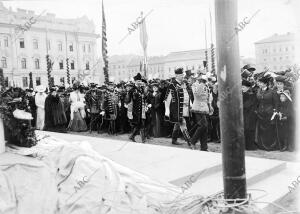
column 274, row 50
column 25, row 82
column 3, row 62
column 60, row 46
column 286, row 49
column 274, row 59
column 22, row 43
column 48, row 45
column 265, row 59
column 287, row 57
column 6, row 41
column 37, row 63
column 61, row 64
column 35, row 44
column 73, row 79
column 71, row 47
column 23, row 63
column 38, row 81
column 72, row 65
column 62, row 80
column 83, row 47
column 280, row 49
column 87, row 65
column 89, row 48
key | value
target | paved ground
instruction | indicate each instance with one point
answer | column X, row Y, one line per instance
column 288, row 203
column 213, row 147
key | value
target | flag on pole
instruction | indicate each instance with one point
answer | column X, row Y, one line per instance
column 104, row 46
column 144, row 42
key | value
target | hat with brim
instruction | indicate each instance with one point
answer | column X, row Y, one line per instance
column 155, row 84
column 202, row 77
column 264, row 79
column 52, row 89
column 40, row 89
column 280, row 79
column 188, row 73
column 137, row 77
column 249, row 68
column 178, row 71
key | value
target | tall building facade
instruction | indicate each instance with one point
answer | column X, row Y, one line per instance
column 276, row 52
column 27, row 38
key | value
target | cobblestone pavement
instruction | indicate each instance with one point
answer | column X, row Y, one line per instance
column 212, row 146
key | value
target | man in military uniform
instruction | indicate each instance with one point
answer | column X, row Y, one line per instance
column 177, row 104
column 110, row 107
column 93, row 104
column 138, row 109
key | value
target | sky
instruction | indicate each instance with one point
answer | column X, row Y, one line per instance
column 174, row 25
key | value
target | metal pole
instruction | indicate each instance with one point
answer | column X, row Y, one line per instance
column 230, row 97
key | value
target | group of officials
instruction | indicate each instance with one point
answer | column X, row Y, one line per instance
column 185, row 106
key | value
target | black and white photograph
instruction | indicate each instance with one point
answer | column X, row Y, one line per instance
column 149, row 106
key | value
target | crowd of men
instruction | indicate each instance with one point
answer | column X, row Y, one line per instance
column 185, row 106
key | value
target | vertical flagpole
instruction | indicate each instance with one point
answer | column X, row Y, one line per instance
column 212, row 49
column 231, row 105
column 2, row 138
column 67, row 60
column 206, row 54
column 104, row 46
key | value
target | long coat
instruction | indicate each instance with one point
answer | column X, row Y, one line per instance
column 175, row 94
column 156, row 114
column 138, row 106
column 249, row 108
column 54, row 112
column 267, row 103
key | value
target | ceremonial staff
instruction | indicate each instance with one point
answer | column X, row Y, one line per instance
column 231, row 106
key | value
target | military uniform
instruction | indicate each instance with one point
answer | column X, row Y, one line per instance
column 110, row 107
column 177, row 101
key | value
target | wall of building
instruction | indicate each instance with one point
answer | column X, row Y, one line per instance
column 276, row 55
column 60, row 38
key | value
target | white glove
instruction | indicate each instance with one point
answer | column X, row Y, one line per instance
column 102, row 113
column 149, row 106
column 88, row 110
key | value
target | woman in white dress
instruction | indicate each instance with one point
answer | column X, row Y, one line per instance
column 77, row 116
column 40, row 98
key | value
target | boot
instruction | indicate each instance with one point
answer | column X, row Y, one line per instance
column 174, row 137
column 132, row 136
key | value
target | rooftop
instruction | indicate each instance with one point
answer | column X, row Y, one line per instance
column 277, row 38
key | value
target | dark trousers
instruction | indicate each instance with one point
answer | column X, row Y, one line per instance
column 183, row 127
column 201, row 132
column 139, row 127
